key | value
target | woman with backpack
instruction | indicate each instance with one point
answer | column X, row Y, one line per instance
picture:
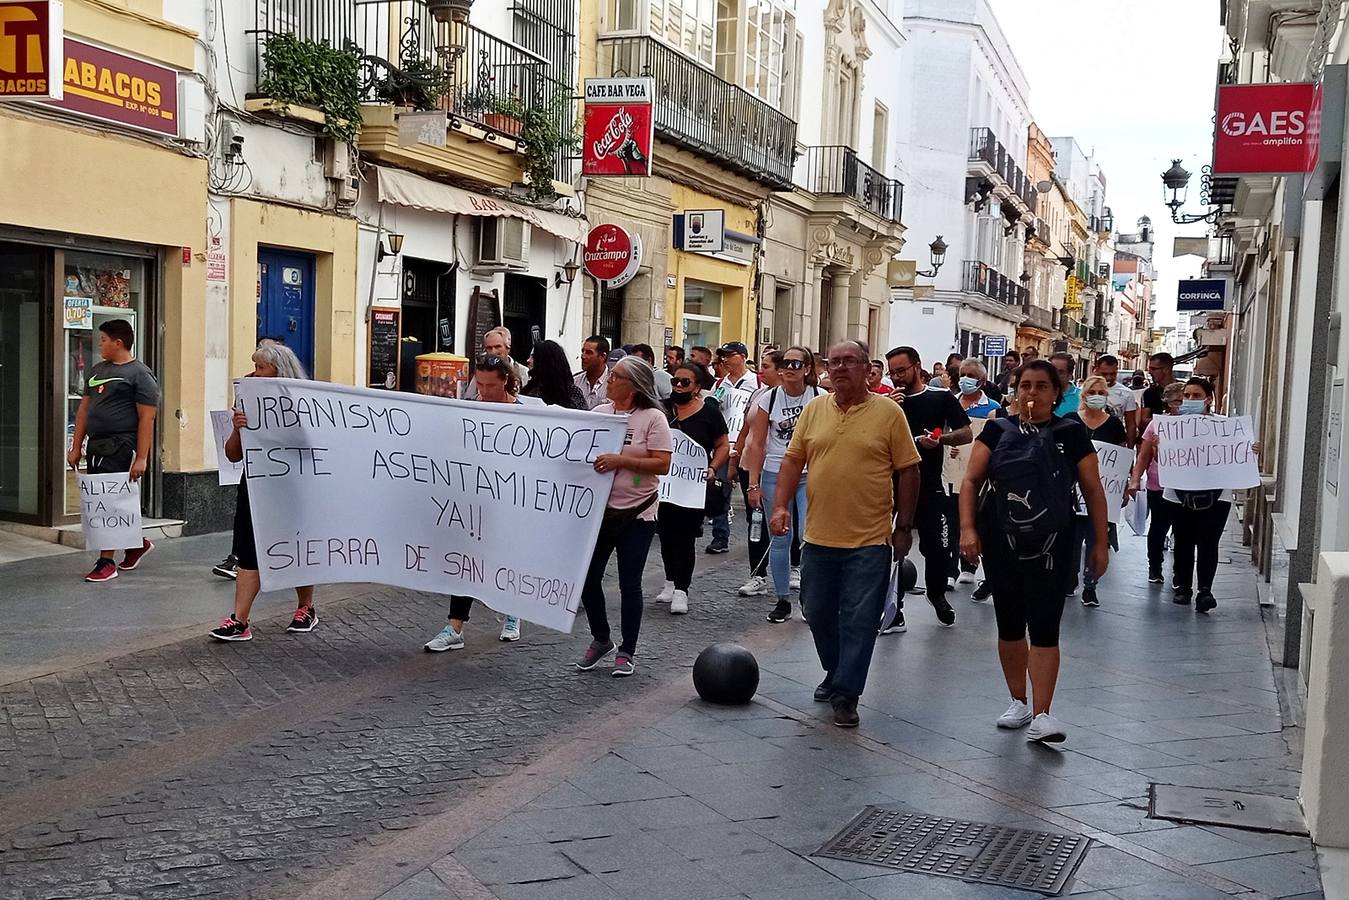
column 1094, row 414
column 1197, row 517
column 1017, row 512
column 771, row 432
column 678, row 526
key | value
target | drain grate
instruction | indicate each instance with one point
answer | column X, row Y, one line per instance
column 971, row 851
column 1235, row 809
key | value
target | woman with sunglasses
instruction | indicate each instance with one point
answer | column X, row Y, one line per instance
column 772, row 429
column 497, row 382
column 679, row 527
column 630, row 516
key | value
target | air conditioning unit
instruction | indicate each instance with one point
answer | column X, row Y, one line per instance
column 503, row 243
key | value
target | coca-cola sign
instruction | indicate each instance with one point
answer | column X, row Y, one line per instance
column 619, row 133
column 611, row 254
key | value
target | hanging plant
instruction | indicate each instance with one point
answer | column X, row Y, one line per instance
column 549, row 129
column 314, row 74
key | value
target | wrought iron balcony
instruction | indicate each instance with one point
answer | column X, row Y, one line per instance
column 987, row 149
column 838, row 170
column 984, row 279
column 1038, row 317
column 698, row 110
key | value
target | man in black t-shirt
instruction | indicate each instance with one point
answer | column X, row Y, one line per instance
column 937, row 421
column 1160, row 367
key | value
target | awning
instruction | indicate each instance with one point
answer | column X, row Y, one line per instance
column 406, row 189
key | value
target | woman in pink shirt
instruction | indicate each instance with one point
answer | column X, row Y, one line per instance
column 630, row 517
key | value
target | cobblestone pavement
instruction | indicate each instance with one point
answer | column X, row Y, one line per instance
column 198, row 769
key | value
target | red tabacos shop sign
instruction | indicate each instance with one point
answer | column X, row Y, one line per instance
column 115, row 87
column 30, row 49
column 620, row 126
column 1263, row 129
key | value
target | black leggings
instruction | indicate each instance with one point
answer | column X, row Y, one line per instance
column 679, row 529
column 759, row 538
column 958, row 563
column 1198, row 532
column 1028, row 594
column 1159, row 523
column 631, row 541
column 460, row 607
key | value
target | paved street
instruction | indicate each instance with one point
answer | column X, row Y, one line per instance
column 348, row 763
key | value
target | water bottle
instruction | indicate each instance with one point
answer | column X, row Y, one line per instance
column 756, row 521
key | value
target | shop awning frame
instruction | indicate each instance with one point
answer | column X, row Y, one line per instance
column 414, row 191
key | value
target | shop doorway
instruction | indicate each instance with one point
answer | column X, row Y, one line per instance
column 611, row 316
column 428, row 305
column 286, row 301
column 23, row 274
column 525, row 310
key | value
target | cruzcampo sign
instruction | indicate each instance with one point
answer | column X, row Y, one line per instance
column 30, row 49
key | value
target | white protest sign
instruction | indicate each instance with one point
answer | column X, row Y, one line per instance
column 686, row 483
column 500, row 502
column 957, row 459
column 1136, row 514
column 1199, row 453
column 110, row 512
column 222, row 427
column 1115, row 463
column 733, row 403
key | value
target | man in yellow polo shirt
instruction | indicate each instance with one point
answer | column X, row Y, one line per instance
column 860, row 501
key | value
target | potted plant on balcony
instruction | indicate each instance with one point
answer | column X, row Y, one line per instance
column 316, row 76
column 506, row 115
column 416, row 83
column 549, row 128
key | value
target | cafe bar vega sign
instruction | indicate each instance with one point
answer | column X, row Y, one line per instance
column 30, row 49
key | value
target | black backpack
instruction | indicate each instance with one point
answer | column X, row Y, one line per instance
column 1033, row 488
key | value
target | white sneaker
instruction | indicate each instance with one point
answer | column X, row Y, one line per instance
column 1018, row 715
column 795, row 582
column 448, row 639
column 757, row 586
column 679, row 603
column 666, row 593
column 510, row 629
column 950, row 584
column 1047, row 729
column 965, row 578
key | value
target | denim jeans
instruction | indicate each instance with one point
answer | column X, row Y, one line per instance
column 780, row 549
column 1085, row 536
column 843, row 593
column 721, row 528
column 631, row 541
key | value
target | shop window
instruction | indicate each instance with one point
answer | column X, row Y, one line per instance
column 525, row 309
column 23, row 277
column 428, row 305
column 702, row 315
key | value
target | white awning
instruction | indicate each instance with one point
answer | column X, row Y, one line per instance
column 406, row 189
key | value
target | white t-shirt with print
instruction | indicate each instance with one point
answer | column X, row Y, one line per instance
column 783, row 410
column 1121, row 399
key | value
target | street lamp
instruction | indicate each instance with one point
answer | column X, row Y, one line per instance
column 937, row 249
column 1175, row 187
column 450, row 10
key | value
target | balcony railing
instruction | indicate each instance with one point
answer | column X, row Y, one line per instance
column 698, row 110
column 985, row 147
column 1038, row 317
column 839, row 171
column 984, row 279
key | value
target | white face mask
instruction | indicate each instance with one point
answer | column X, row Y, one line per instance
column 1097, row 401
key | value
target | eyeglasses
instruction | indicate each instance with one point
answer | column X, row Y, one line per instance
column 488, row 362
column 847, row 362
column 900, row 371
column 615, row 375
column 792, row 364
column 681, row 382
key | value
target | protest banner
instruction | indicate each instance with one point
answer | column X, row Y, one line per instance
column 1199, row 453
column 499, row 502
column 1115, row 463
column 222, row 427
column 110, row 511
column 733, row 406
column 957, row 459
column 686, row 483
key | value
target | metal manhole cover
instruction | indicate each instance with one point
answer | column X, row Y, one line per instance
column 1235, row 809
column 971, row 851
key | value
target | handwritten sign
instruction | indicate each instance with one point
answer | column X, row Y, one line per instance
column 733, row 405
column 957, row 459
column 686, row 483
column 222, row 427
column 110, row 512
column 500, row 502
column 1115, row 463
column 1198, row 453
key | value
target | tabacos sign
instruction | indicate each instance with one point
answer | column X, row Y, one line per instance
column 30, row 49
column 612, row 255
column 112, row 86
column 1263, row 129
column 619, row 133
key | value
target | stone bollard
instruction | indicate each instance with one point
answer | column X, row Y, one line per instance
column 1325, row 762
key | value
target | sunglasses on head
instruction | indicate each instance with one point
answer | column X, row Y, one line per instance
column 490, row 362
column 681, row 382
column 792, row 364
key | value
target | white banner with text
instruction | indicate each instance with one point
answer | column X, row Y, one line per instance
column 222, row 426
column 499, row 502
column 686, row 484
column 733, row 407
column 110, row 512
column 1199, row 453
column 1115, row 463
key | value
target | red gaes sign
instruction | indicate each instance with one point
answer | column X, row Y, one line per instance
column 1263, row 129
column 620, row 126
column 30, row 49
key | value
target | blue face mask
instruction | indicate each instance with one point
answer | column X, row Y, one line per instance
column 1192, row 407
column 968, row 385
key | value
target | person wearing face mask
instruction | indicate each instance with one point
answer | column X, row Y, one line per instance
column 1094, row 414
column 679, row 527
column 771, row 431
column 1159, row 510
column 1197, row 517
column 977, row 405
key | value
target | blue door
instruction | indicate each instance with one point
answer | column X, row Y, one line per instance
column 286, row 301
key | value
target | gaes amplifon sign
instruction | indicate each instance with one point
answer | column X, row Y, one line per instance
column 1262, row 128
column 620, row 126
column 31, row 34
column 118, row 88
column 612, row 254
column 1199, row 294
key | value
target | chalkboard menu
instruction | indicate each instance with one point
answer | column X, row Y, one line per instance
column 384, row 342
column 484, row 314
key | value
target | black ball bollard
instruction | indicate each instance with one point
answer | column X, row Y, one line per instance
column 908, row 576
column 726, row 674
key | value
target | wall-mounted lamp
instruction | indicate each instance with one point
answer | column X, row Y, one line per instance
column 568, row 273
column 937, row 251
column 395, row 246
column 450, row 10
